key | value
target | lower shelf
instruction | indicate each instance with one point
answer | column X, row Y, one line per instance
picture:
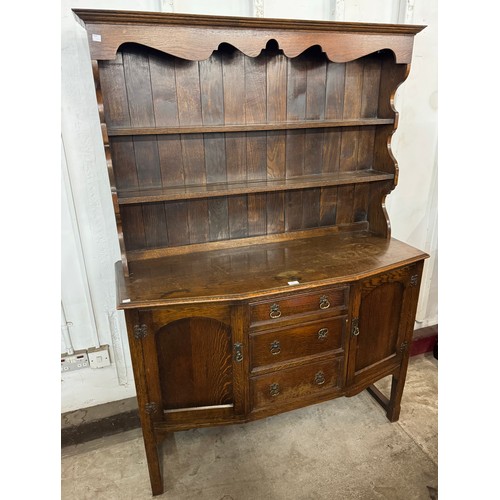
column 153, row 195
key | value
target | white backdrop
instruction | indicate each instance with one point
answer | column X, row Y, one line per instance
column 89, row 241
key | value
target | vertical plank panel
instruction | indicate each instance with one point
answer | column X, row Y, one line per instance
column 133, row 227
column 189, row 106
column 276, row 112
column 178, row 227
column 138, row 85
column 311, row 210
column 163, row 88
column 365, row 148
column 353, row 89
column 352, row 109
column 212, row 108
column 334, row 108
column 165, row 99
column 238, row 216
column 361, row 202
column 275, row 212
column 328, row 206
column 293, row 210
column 276, row 146
column 122, row 155
column 112, row 80
column 155, row 225
column 255, row 112
column 296, row 110
column 369, row 107
column 147, row 161
column 345, row 204
column 140, row 103
column 371, row 85
column 218, row 219
column 314, row 139
column 257, row 214
column 198, row 219
column 233, row 67
column 141, row 109
column 166, row 113
column 350, row 138
column 295, row 139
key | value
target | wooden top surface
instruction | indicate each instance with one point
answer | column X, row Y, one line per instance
column 247, row 272
column 99, row 16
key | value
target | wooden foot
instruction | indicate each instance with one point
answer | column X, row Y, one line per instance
column 154, row 465
column 392, row 405
column 153, row 457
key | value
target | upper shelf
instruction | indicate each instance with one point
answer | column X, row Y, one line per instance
column 288, row 125
column 152, row 195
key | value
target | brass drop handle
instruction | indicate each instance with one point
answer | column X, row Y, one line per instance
column 275, row 347
column 274, row 311
column 322, row 333
column 274, row 389
column 355, row 327
column 324, row 303
column 319, row 378
column 238, row 354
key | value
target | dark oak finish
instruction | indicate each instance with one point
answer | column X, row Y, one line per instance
column 249, row 161
column 287, row 385
column 194, row 358
column 273, row 347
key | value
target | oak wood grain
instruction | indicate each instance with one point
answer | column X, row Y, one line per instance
column 321, row 260
column 249, row 162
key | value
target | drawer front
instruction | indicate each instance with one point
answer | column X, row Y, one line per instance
column 292, row 305
column 285, row 386
column 284, row 344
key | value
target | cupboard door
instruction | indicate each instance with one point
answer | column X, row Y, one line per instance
column 192, row 363
column 381, row 324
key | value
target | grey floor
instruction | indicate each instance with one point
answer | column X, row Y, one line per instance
column 342, row 449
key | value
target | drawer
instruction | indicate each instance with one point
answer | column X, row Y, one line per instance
column 281, row 308
column 284, row 344
column 285, row 386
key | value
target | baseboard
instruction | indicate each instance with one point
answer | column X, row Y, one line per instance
column 99, row 421
column 107, row 419
column 424, row 340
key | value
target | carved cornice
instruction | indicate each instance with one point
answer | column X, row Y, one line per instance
column 95, row 16
column 107, row 30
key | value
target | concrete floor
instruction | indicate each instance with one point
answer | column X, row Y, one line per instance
column 342, row 449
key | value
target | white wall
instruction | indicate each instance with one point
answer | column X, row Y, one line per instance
column 89, row 240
